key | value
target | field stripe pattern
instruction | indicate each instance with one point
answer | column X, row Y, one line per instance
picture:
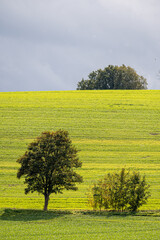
column 112, row 129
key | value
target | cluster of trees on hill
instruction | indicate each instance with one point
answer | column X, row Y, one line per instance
column 48, row 167
column 113, row 77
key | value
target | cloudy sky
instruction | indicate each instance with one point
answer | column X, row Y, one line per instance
column 53, row 44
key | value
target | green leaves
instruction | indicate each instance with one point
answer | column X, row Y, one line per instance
column 48, row 164
column 139, row 191
column 120, row 191
column 113, row 77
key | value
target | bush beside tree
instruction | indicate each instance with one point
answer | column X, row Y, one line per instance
column 122, row 191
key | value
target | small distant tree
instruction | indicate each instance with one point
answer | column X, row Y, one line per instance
column 119, row 191
column 95, row 197
column 113, row 77
column 139, row 191
column 48, row 165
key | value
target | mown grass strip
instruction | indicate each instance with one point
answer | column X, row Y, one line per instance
column 33, row 224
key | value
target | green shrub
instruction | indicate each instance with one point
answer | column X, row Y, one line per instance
column 119, row 191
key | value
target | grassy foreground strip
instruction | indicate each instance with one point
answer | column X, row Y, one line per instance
column 112, row 130
column 37, row 224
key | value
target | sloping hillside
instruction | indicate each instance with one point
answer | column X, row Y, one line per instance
column 112, row 129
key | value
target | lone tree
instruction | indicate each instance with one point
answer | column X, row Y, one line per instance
column 113, row 77
column 48, row 165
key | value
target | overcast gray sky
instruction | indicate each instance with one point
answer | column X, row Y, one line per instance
column 53, row 44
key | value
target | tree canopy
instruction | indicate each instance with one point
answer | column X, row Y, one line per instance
column 48, row 165
column 113, row 77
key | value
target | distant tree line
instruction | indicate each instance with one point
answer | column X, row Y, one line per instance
column 113, row 77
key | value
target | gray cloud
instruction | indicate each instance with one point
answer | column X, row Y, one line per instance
column 51, row 45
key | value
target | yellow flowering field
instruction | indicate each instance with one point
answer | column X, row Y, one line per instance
column 110, row 128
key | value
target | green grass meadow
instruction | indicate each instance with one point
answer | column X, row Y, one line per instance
column 39, row 225
column 112, row 129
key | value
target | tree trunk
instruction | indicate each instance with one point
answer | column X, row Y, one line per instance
column 46, row 198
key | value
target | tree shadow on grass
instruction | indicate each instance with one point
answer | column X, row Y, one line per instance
column 108, row 213
column 153, row 213
column 30, row 215
column 35, row 215
column 25, row 215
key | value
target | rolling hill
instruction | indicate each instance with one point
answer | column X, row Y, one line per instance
column 112, row 129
